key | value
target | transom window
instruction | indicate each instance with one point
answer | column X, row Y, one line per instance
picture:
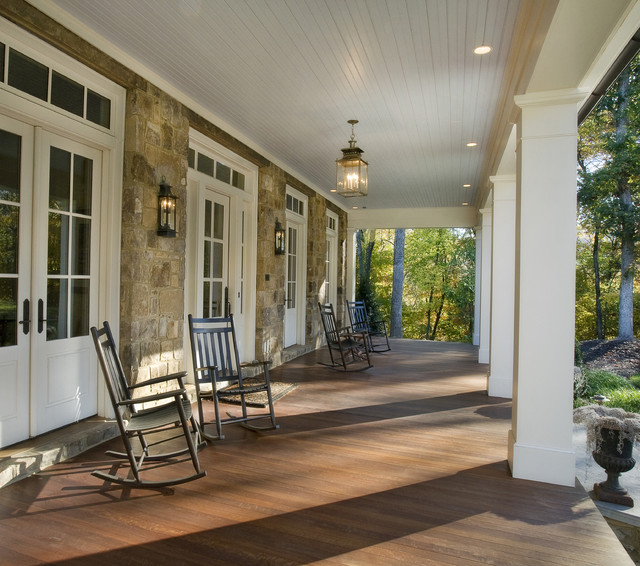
column 295, row 205
column 40, row 81
column 216, row 169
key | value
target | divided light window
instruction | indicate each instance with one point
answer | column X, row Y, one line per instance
column 216, row 169
column 295, row 205
column 32, row 77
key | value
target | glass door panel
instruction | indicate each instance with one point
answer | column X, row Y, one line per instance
column 10, row 159
column 291, row 297
column 214, row 253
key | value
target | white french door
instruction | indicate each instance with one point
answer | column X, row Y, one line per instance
column 49, row 226
column 213, row 255
column 291, row 295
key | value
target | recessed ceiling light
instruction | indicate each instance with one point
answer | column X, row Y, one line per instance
column 334, row 190
column 465, row 204
column 466, row 186
column 472, row 144
column 482, row 50
column 354, row 207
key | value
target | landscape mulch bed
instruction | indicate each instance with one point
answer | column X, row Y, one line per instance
column 616, row 356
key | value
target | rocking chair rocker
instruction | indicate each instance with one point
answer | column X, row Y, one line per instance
column 134, row 422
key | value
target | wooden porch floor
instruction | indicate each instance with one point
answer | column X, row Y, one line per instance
column 404, row 463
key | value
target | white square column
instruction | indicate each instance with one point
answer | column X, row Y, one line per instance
column 503, row 260
column 485, row 287
column 540, row 442
column 349, row 274
column 476, row 299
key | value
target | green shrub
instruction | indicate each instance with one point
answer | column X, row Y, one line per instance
column 601, row 382
column 620, row 392
column 627, row 399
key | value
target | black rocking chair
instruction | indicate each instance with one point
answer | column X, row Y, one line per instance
column 346, row 347
column 377, row 336
column 173, row 411
column 219, row 375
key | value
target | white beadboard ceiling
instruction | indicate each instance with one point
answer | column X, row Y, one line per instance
column 286, row 75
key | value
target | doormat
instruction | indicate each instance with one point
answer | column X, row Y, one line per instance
column 278, row 390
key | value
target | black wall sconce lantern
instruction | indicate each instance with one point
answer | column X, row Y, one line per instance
column 166, row 211
column 279, row 238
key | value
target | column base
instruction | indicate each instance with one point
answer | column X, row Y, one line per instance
column 500, row 387
column 542, row 464
column 483, row 356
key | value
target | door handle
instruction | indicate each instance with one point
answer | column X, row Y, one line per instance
column 227, row 302
column 41, row 319
column 26, row 317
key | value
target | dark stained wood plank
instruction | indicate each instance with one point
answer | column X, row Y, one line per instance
column 401, row 464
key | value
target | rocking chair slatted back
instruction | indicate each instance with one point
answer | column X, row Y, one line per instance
column 112, row 369
column 215, row 349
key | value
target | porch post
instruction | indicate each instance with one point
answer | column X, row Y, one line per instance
column 540, row 442
column 503, row 259
column 485, row 287
column 350, row 283
column 476, row 298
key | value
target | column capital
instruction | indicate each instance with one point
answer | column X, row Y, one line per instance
column 502, row 179
column 551, row 97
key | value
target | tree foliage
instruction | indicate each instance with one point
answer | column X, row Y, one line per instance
column 609, row 220
column 439, row 282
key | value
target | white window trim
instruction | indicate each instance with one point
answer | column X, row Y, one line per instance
column 29, row 110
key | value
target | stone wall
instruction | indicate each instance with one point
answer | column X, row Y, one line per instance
column 270, row 284
column 153, row 267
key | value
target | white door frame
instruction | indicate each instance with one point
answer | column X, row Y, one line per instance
column 242, row 248
column 331, row 259
column 299, row 221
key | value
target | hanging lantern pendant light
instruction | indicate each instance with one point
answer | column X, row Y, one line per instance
column 352, row 172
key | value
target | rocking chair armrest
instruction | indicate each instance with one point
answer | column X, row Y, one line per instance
column 344, row 330
column 176, row 393
column 178, row 376
column 256, row 364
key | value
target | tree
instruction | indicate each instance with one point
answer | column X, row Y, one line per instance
column 398, row 281
column 439, row 284
column 365, row 288
column 609, row 161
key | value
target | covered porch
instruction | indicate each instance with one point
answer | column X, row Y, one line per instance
column 404, row 463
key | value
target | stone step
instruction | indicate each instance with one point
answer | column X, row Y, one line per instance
column 26, row 458
column 31, row 456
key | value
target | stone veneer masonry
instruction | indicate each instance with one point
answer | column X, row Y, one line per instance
column 152, row 308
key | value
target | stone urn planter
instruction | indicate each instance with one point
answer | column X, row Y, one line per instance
column 611, row 434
